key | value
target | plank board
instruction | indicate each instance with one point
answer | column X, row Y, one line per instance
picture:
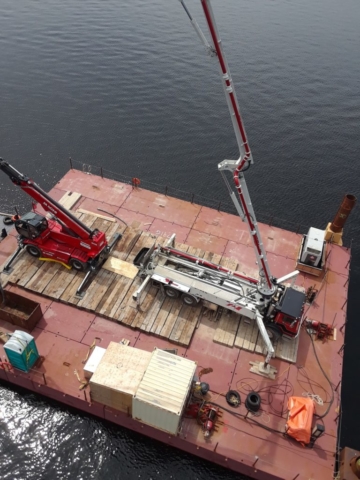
column 69, row 199
column 104, row 217
column 120, row 267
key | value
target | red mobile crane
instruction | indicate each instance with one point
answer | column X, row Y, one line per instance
column 62, row 237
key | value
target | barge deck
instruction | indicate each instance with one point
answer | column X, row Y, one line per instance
column 69, row 327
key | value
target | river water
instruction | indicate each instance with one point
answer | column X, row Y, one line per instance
column 126, row 85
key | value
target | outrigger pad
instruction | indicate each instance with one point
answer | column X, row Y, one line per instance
column 259, row 369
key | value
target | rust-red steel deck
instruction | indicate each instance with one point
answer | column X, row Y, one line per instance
column 64, row 334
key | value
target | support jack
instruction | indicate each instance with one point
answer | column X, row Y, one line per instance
column 263, row 369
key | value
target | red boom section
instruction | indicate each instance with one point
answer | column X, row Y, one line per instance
column 50, row 206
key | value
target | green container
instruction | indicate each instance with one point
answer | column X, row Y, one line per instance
column 21, row 350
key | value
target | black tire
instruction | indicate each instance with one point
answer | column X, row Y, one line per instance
column 171, row 292
column 33, row 250
column 233, row 398
column 274, row 332
column 189, row 300
column 77, row 264
column 8, row 221
column 253, row 402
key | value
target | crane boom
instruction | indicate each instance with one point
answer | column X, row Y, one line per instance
column 48, row 203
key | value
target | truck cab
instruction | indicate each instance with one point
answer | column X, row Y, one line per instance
column 288, row 312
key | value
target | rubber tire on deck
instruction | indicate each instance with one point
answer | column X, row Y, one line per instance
column 8, row 221
column 189, row 300
column 274, row 332
column 171, row 292
column 253, row 402
column 77, row 265
column 233, row 398
column 33, row 250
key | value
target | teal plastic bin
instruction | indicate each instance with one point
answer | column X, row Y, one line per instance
column 21, row 350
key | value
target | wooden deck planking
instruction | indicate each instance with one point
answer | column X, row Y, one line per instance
column 110, row 293
column 227, row 328
column 58, row 284
column 111, row 302
column 42, row 277
column 146, row 240
column 23, row 269
column 96, row 290
column 141, row 319
column 68, row 295
column 180, row 323
column 171, row 318
column 126, row 314
column 126, row 244
column 154, row 311
column 190, row 326
column 161, row 316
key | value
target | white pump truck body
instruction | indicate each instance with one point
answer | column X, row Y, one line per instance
column 276, row 308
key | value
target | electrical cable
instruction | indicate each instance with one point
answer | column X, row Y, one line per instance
column 327, row 378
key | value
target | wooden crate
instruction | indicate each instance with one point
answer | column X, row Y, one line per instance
column 118, row 375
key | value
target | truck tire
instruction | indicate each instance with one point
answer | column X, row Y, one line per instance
column 274, row 332
column 33, row 250
column 189, row 300
column 171, row 292
column 77, row 264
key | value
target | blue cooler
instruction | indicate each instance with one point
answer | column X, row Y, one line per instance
column 21, row 350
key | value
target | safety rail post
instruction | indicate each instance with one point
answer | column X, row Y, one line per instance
column 71, row 165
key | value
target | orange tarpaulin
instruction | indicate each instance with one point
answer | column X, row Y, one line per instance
column 301, row 411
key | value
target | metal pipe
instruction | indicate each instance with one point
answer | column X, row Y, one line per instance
column 346, row 206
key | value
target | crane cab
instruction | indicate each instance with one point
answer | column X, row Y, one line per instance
column 31, row 226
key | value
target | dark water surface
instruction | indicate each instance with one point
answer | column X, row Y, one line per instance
column 126, row 85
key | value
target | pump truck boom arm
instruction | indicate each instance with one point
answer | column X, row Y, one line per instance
column 49, row 204
column 245, row 208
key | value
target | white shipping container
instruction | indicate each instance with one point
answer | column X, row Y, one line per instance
column 161, row 396
column 93, row 361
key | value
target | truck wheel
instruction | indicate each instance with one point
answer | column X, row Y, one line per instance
column 189, row 300
column 274, row 332
column 77, row 264
column 171, row 292
column 33, row 251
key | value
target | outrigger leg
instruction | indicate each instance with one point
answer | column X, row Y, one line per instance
column 7, row 268
column 95, row 267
